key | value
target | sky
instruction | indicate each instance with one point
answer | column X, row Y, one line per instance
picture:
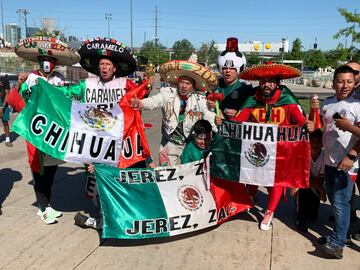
column 196, row 20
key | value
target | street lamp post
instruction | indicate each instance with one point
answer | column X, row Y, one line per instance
column 108, row 17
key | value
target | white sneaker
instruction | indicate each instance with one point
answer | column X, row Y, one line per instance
column 57, row 214
column 266, row 224
column 48, row 216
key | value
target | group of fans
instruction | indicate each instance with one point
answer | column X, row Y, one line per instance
column 190, row 118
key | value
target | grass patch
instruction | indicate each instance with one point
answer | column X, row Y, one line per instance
column 305, row 104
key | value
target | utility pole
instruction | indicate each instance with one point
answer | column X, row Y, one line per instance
column 2, row 23
column 144, row 37
column 352, row 38
column 23, row 14
column 108, row 17
column 131, row 24
column 156, row 27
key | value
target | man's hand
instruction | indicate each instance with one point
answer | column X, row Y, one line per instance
column 218, row 120
column 21, row 79
column 343, row 124
column 1, row 112
column 345, row 164
column 136, row 103
column 230, row 113
column 310, row 125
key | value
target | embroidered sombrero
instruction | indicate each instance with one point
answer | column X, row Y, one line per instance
column 33, row 47
column 93, row 50
column 270, row 70
column 204, row 79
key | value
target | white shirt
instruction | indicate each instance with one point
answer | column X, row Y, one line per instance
column 338, row 143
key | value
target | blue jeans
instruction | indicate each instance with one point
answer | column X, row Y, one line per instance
column 339, row 189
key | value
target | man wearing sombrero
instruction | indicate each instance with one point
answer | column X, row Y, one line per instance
column 48, row 52
column 181, row 106
column 233, row 91
column 276, row 104
column 111, row 61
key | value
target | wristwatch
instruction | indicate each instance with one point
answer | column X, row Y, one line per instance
column 351, row 157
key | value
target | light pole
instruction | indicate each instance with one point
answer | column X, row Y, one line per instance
column 131, row 24
column 108, row 17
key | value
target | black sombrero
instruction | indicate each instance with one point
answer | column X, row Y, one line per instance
column 95, row 49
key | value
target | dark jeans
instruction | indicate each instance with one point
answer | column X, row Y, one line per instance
column 339, row 189
column 43, row 185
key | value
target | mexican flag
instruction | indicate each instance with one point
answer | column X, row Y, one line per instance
column 262, row 154
column 80, row 132
column 165, row 201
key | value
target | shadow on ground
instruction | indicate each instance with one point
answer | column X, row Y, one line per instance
column 68, row 193
column 8, row 178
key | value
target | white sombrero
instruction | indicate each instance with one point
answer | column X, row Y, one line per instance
column 205, row 80
column 33, row 47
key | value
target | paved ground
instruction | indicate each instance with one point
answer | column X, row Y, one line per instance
column 26, row 243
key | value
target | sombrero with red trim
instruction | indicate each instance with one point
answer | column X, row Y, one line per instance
column 33, row 47
column 205, row 79
column 269, row 71
column 92, row 50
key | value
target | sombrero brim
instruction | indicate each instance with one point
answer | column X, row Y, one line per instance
column 205, row 80
column 92, row 51
column 33, row 47
column 266, row 71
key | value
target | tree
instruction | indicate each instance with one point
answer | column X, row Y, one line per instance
column 252, row 59
column 208, row 53
column 352, row 18
column 315, row 59
column 337, row 56
column 155, row 53
column 43, row 32
column 296, row 50
column 182, row 49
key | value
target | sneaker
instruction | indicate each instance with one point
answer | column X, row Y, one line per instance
column 266, row 224
column 323, row 240
column 9, row 144
column 335, row 252
column 86, row 222
column 48, row 217
column 57, row 214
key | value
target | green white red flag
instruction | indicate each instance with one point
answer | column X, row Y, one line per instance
column 262, row 154
column 82, row 132
column 165, row 201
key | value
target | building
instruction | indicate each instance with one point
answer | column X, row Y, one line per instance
column 12, row 34
column 49, row 24
column 264, row 49
column 31, row 31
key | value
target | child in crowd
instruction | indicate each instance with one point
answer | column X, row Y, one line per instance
column 198, row 143
column 308, row 199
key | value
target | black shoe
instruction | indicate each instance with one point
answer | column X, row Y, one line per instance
column 301, row 224
column 80, row 220
column 335, row 252
column 322, row 240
